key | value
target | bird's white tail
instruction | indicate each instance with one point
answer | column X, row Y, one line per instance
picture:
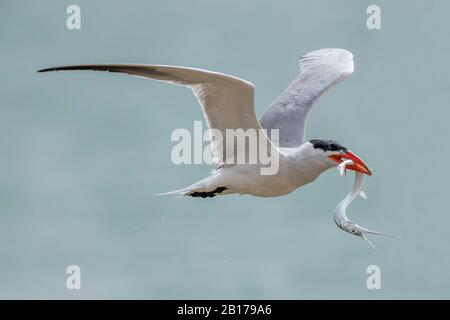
column 180, row 192
column 203, row 189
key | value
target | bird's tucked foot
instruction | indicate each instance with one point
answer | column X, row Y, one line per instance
column 207, row 194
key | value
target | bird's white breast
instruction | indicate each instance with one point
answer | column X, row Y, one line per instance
column 296, row 168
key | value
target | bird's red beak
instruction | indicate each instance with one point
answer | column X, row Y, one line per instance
column 359, row 165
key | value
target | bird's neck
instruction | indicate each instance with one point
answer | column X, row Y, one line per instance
column 314, row 160
column 305, row 164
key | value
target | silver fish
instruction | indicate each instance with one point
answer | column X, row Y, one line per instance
column 340, row 217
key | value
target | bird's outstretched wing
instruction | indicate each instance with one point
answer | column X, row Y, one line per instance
column 319, row 71
column 227, row 102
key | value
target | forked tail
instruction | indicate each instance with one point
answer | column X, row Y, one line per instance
column 202, row 189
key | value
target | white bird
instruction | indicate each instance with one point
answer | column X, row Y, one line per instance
column 228, row 103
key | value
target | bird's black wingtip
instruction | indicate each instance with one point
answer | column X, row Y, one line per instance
column 46, row 70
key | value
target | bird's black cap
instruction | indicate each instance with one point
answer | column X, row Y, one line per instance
column 327, row 145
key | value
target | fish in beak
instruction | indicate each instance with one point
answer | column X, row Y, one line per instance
column 358, row 164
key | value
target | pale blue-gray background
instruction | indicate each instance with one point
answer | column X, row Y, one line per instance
column 82, row 153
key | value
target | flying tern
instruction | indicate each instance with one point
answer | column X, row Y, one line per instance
column 228, row 103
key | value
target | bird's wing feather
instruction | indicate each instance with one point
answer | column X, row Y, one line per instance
column 319, row 71
column 227, row 102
